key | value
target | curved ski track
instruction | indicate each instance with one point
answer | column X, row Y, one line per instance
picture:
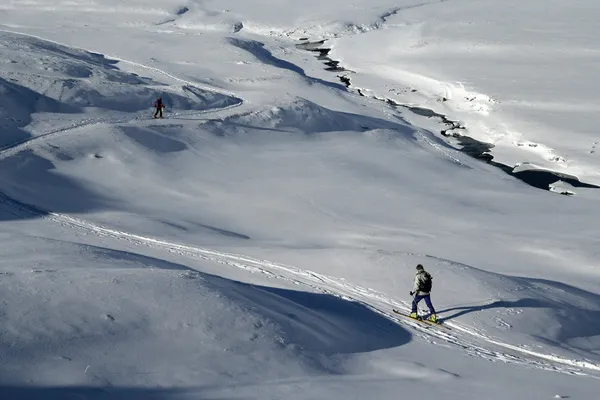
column 21, row 145
column 471, row 341
column 17, row 147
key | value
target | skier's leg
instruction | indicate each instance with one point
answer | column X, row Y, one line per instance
column 429, row 305
column 156, row 113
column 415, row 303
column 161, row 114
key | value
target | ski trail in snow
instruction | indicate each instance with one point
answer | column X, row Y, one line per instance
column 381, row 303
column 15, row 148
column 23, row 144
column 470, row 341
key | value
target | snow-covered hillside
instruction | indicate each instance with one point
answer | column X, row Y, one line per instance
column 255, row 242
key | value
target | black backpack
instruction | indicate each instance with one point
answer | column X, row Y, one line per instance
column 426, row 284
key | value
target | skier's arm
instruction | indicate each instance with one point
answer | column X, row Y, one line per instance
column 416, row 285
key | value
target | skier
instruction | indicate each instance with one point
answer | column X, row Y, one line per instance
column 421, row 291
column 158, row 104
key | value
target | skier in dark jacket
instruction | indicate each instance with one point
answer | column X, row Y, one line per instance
column 422, row 291
column 159, row 105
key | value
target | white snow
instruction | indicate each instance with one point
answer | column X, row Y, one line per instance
column 254, row 243
column 520, row 76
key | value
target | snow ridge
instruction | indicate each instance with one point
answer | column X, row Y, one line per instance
column 471, row 341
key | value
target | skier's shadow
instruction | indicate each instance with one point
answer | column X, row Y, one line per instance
column 521, row 303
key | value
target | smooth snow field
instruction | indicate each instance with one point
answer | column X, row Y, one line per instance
column 255, row 242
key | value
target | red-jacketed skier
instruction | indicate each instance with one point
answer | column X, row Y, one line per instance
column 159, row 105
column 422, row 291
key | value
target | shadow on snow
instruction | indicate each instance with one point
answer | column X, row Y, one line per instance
column 317, row 329
column 258, row 50
column 567, row 304
column 17, row 104
column 89, row 393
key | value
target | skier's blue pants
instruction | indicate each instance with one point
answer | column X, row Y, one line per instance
column 427, row 299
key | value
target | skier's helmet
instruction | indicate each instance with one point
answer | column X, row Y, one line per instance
column 420, row 267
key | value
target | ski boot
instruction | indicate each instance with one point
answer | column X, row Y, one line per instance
column 414, row 315
column 433, row 318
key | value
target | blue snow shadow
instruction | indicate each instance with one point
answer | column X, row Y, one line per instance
column 185, row 226
column 32, row 176
column 88, row 393
column 316, row 329
column 17, row 105
column 575, row 310
column 32, row 184
column 307, row 321
column 258, row 50
column 310, row 322
column 152, row 140
column 322, row 323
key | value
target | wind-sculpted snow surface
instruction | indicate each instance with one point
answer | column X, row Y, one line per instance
column 17, row 104
column 304, row 116
column 495, row 79
column 45, row 77
column 254, row 243
column 127, row 303
column 316, row 330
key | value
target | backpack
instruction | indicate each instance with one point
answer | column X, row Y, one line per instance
column 425, row 283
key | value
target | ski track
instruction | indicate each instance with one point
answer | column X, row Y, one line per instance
column 376, row 301
column 17, row 147
column 21, row 145
column 471, row 341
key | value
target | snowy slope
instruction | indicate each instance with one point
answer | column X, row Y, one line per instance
column 519, row 76
column 254, row 243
